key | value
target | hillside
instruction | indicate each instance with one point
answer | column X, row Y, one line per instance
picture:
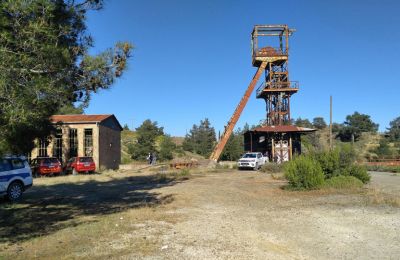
column 363, row 147
column 129, row 137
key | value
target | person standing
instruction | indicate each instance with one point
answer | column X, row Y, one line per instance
column 150, row 158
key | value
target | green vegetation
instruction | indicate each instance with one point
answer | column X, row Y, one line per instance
column 394, row 129
column 356, row 124
column 46, row 66
column 343, row 182
column 304, row 172
column 319, row 123
column 357, row 171
column 167, row 148
column 333, row 164
column 303, row 122
column 200, row 139
column 234, row 147
column 329, row 162
column 272, row 167
column 146, row 135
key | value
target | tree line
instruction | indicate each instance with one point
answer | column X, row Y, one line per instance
column 202, row 138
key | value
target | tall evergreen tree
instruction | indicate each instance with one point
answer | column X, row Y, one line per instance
column 234, row 148
column 319, row 123
column 356, row 124
column 201, row 139
column 394, row 129
column 146, row 135
column 167, row 147
column 303, row 122
column 45, row 65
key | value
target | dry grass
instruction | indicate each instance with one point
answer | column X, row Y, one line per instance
column 377, row 197
column 89, row 216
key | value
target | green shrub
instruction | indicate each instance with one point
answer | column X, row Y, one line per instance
column 272, row 167
column 358, row 171
column 304, row 172
column 185, row 172
column 330, row 162
column 343, row 182
column 347, row 155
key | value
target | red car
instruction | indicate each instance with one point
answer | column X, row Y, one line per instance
column 80, row 164
column 45, row 166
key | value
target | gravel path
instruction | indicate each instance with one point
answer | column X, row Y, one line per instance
column 245, row 215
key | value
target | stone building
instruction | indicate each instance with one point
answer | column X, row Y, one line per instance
column 98, row 136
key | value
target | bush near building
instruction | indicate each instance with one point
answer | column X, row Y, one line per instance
column 304, row 172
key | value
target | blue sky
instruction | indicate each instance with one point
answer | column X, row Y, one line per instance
column 192, row 59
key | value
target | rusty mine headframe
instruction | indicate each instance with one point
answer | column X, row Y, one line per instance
column 276, row 138
column 277, row 88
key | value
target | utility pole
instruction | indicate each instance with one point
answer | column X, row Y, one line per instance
column 330, row 125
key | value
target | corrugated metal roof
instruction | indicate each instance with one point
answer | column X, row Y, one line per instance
column 282, row 129
column 78, row 118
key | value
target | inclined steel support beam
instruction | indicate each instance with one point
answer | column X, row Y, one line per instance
column 238, row 111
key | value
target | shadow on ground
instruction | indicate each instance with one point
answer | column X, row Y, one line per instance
column 47, row 209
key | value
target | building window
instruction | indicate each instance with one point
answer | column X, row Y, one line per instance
column 88, row 142
column 43, row 147
column 73, row 142
column 58, row 145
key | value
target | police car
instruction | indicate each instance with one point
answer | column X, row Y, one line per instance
column 15, row 176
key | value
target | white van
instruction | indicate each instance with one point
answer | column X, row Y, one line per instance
column 15, row 176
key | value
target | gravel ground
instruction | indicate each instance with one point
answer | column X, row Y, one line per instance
column 220, row 215
column 245, row 215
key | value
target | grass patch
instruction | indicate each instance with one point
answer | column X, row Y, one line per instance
column 343, row 182
column 272, row 168
column 376, row 197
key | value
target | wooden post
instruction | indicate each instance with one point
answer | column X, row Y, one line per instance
column 290, row 148
column 251, row 142
column 273, row 150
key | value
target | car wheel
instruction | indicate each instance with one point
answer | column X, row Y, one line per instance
column 14, row 191
column 74, row 171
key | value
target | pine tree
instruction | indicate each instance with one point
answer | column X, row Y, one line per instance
column 146, row 135
column 201, row 139
column 234, row 148
column 167, row 147
column 45, row 65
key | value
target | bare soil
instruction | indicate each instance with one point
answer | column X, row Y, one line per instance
column 216, row 215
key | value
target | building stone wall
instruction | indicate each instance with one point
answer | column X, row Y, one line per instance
column 106, row 142
column 65, row 142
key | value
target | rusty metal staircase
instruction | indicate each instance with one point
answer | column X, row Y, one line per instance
column 238, row 111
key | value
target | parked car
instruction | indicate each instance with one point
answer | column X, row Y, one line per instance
column 15, row 177
column 251, row 160
column 46, row 166
column 76, row 165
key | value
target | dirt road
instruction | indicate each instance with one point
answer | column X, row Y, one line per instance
column 221, row 215
column 245, row 215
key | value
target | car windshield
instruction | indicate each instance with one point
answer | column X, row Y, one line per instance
column 250, row 155
column 86, row 159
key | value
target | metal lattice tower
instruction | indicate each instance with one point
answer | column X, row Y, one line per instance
column 277, row 88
